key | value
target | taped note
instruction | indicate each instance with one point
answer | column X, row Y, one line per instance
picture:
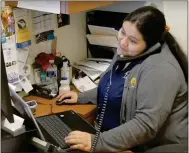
column 10, row 57
column 26, row 85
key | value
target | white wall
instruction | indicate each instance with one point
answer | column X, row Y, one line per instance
column 176, row 16
column 71, row 41
column 72, row 38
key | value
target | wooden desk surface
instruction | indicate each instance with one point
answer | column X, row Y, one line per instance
column 46, row 107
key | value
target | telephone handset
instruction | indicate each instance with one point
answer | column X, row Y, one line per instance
column 150, row 51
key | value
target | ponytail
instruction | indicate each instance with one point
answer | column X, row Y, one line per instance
column 178, row 53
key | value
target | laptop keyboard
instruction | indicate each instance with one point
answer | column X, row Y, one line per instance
column 56, row 128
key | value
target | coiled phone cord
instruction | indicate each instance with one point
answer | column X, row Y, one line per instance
column 101, row 117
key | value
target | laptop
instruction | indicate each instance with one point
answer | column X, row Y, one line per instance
column 70, row 120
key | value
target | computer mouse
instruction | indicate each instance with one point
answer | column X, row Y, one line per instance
column 62, row 102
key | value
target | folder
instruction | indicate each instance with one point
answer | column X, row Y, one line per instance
column 99, row 30
column 102, row 40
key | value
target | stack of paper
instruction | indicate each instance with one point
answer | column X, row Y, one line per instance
column 102, row 36
column 92, row 73
column 92, row 67
column 100, row 66
column 83, row 84
column 102, row 40
column 98, row 30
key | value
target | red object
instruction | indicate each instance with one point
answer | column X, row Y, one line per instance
column 43, row 60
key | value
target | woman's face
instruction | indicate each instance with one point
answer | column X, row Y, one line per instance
column 130, row 40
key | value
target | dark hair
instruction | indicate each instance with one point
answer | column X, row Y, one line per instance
column 151, row 23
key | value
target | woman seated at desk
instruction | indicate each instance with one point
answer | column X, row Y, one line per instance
column 145, row 89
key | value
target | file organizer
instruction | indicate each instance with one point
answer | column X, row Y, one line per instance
column 103, row 19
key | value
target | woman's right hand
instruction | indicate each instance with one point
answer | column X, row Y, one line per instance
column 68, row 94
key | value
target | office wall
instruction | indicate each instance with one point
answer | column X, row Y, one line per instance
column 176, row 16
column 72, row 38
column 71, row 41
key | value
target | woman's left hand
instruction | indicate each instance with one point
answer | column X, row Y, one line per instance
column 79, row 140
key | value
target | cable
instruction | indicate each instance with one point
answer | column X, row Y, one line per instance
column 101, row 117
column 46, row 146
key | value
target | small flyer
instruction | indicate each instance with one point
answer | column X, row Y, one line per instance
column 8, row 22
column 10, row 57
column 23, row 34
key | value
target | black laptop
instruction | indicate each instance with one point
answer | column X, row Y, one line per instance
column 56, row 127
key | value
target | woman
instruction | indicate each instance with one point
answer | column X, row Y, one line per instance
column 147, row 83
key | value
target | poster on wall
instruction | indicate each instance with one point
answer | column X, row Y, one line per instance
column 23, row 34
column 44, row 36
column 43, row 25
column 8, row 22
column 63, row 20
column 10, row 57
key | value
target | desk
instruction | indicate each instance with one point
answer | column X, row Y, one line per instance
column 47, row 107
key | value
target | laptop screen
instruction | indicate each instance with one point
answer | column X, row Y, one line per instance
column 24, row 109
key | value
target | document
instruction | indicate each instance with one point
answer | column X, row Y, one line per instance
column 24, row 69
column 83, row 84
column 23, row 34
column 43, row 25
column 103, row 40
column 10, row 58
column 18, row 87
column 90, row 72
column 99, row 30
column 100, row 60
column 12, row 74
column 9, row 52
column 42, row 22
column 100, row 66
column 45, row 6
column 22, row 54
column 26, row 85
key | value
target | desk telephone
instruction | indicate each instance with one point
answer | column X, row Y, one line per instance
column 41, row 91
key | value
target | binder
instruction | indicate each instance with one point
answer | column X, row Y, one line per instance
column 102, row 40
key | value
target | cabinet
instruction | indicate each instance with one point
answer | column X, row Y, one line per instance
column 74, row 6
